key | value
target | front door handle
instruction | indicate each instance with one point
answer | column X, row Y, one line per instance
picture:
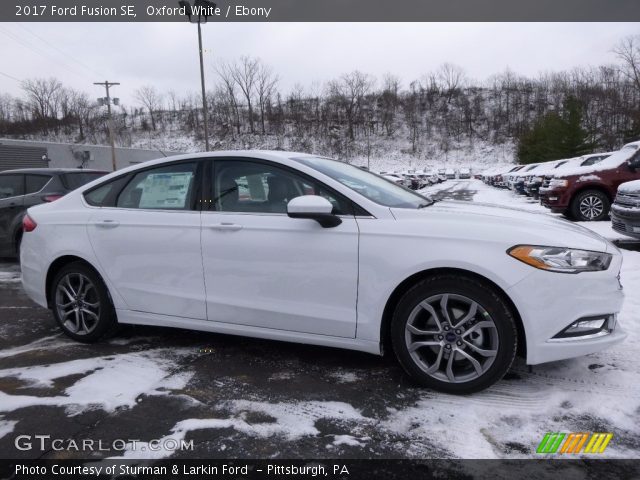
column 107, row 224
column 226, row 226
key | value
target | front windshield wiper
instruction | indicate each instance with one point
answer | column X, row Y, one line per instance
column 424, row 205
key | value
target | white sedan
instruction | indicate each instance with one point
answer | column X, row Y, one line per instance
column 296, row 247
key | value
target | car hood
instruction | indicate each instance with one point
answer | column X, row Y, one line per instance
column 497, row 224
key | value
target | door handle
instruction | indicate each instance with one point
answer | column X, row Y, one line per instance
column 107, row 223
column 226, row 226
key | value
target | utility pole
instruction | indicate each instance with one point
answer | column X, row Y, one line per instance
column 204, row 94
column 106, row 84
column 205, row 9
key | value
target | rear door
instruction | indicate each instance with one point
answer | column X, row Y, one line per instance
column 11, row 207
column 147, row 240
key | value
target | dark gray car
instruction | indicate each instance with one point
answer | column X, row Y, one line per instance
column 24, row 188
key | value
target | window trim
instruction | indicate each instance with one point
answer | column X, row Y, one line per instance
column 357, row 211
column 37, row 175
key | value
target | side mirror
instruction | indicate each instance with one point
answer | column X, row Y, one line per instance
column 634, row 163
column 315, row 208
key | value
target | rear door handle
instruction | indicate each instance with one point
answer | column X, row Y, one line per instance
column 226, row 226
column 107, row 223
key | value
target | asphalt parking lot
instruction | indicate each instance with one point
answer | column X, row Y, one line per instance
column 247, row 398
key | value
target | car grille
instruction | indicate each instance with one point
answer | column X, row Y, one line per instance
column 546, row 182
column 628, row 200
column 618, row 225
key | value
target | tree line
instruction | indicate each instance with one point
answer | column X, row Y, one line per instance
column 549, row 116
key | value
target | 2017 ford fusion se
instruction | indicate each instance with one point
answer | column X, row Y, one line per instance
column 301, row 248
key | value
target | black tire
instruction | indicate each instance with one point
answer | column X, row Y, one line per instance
column 18, row 242
column 590, row 206
column 488, row 303
column 106, row 324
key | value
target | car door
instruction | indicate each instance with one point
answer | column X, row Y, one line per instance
column 147, row 240
column 11, row 207
column 265, row 269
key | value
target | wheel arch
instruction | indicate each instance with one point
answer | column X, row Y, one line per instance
column 597, row 187
column 406, row 284
column 57, row 265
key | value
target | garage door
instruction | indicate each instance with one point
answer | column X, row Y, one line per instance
column 12, row 157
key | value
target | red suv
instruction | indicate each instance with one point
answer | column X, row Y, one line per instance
column 585, row 193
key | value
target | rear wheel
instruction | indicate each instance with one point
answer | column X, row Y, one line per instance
column 18, row 242
column 454, row 334
column 81, row 304
column 590, row 205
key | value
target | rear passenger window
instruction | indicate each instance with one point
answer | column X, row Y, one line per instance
column 97, row 196
column 35, row 183
column 11, row 185
column 164, row 188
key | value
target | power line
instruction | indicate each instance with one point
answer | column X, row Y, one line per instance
column 10, row 76
column 25, row 44
column 60, row 51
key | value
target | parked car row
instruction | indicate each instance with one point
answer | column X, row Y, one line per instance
column 416, row 180
column 582, row 188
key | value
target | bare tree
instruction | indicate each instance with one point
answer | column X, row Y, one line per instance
column 265, row 85
column 628, row 50
column 42, row 97
column 151, row 99
column 350, row 90
column 245, row 75
column 225, row 72
column 451, row 78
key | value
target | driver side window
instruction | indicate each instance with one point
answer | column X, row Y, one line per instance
column 257, row 187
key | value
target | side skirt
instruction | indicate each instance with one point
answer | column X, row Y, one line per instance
column 143, row 318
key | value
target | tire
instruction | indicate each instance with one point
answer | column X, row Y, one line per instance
column 590, row 206
column 18, row 242
column 81, row 304
column 491, row 342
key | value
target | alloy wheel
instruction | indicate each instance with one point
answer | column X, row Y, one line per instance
column 77, row 304
column 451, row 338
column 591, row 207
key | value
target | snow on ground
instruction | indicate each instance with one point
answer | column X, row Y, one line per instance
column 290, row 421
column 108, row 383
column 6, row 427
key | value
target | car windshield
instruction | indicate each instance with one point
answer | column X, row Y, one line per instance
column 619, row 157
column 374, row 187
column 71, row 181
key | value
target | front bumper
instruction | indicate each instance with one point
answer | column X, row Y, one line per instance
column 625, row 220
column 549, row 302
column 557, row 200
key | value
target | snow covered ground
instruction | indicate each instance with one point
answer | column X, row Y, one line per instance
column 254, row 398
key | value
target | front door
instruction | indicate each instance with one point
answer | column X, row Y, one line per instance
column 264, row 269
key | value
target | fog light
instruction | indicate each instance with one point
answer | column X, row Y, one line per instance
column 587, row 328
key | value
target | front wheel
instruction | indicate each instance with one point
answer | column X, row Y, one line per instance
column 454, row 334
column 590, row 206
column 81, row 304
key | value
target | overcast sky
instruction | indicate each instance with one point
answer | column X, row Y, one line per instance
column 165, row 54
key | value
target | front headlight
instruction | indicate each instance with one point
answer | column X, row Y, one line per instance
column 558, row 183
column 559, row 259
column 537, row 179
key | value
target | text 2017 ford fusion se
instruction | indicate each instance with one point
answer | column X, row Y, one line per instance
column 302, row 248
